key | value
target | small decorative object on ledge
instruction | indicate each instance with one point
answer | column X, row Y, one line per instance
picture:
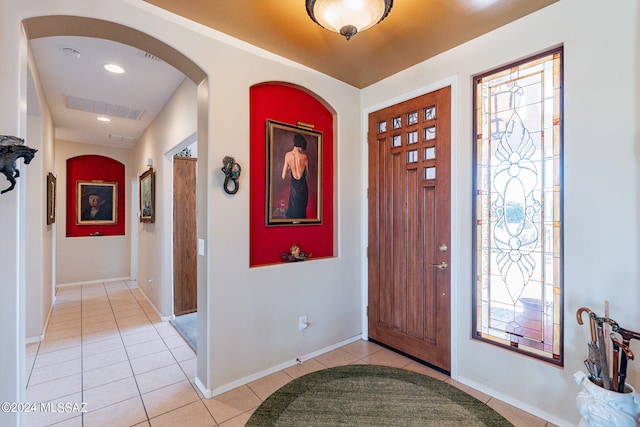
column 295, row 254
column 232, row 171
column 186, row 152
column 605, row 399
column 12, row 148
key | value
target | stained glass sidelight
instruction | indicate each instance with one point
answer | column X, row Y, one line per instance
column 518, row 207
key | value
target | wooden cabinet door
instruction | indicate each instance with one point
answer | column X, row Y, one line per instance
column 184, row 236
column 409, row 227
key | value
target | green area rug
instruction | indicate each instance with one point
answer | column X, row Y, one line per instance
column 368, row 395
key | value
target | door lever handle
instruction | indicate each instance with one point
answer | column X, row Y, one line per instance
column 442, row 266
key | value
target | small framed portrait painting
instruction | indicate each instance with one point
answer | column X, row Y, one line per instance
column 97, row 202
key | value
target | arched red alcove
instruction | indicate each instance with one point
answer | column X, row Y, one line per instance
column 290, row 105
column 103, row 171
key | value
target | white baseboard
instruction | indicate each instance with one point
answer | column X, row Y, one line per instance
column 34, row 339
column 31, row 340
column 153, row 306
column 515, row 403
column 205, row 391
column 91, row 282
column 209, row 393
column 132, row 283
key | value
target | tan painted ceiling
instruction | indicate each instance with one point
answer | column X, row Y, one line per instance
column 414, row 31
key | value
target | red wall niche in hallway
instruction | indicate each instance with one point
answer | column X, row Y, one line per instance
column 287, row 104
column 93, row 172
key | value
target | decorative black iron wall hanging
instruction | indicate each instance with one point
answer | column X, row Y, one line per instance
column 11, row 149
column 231, row 171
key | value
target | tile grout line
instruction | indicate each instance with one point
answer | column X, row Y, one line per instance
column 168, row 349
column 84, row 300
column 173, row 357
column 33, row 364
column 144, row 407
column 200, row 398
column 81, row 353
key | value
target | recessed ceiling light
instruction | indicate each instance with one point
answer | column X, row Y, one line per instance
column 114, row 68
column 104, row 119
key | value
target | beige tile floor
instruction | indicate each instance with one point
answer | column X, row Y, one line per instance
column 105, row 346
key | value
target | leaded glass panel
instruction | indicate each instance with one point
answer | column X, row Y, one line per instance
column 429, row 133
column 430, row 172
column 430, row 153
column 430, row 113
column 412, row 156
column 396, row 141
column 412, row 137
column 397, row 122
column 518, row 207
column 412, row 118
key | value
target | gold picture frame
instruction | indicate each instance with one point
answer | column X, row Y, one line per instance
column 97, row 202
column 293, row 200
column 51, row 198
column 147, row 186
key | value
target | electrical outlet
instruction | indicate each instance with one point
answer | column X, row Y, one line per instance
column 303, row 323
column 150, row 281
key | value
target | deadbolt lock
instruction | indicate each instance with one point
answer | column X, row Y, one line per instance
column 443, row 248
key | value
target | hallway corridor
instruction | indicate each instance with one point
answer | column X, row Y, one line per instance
column 105, row 346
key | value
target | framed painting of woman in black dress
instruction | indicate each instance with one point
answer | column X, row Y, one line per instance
column 294, row 174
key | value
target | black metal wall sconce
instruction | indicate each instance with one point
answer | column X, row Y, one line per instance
column 231, row 171
column 11, row 149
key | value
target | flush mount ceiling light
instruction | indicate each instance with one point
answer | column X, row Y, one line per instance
column 104, row 119
column 348, row 17
column 113, row 68
column 71, row 52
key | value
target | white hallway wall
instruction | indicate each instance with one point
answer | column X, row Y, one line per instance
column 176, row 123
column 39, row 238
column 89, row 259
column 13, row 121
column 601, row 155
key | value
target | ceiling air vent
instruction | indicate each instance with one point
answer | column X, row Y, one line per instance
column 147, row 55
column 122, row 139
column 102, row 108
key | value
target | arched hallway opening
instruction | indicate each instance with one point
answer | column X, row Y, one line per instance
column 48, row 26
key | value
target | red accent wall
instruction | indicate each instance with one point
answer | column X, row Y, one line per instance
column 289, row 105
column 89, row 168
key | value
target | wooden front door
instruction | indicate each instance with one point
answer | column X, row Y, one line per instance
column 184, row 236
column 409, row 227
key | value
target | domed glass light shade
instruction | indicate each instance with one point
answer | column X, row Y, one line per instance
column 348, row 17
